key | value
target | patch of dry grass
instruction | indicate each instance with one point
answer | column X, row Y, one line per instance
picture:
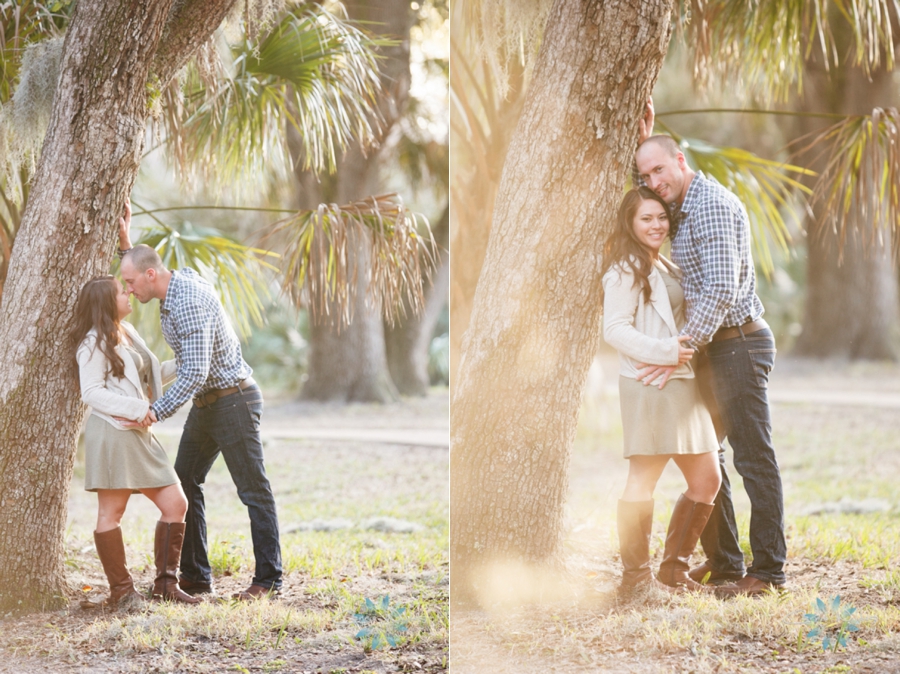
column 313, row 625
column 826, row 454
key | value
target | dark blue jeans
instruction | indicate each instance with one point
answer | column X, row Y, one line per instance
column 230, row 426
column 733, row 375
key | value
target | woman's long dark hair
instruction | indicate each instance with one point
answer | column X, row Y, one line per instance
column 622, row 246
column 96, row 308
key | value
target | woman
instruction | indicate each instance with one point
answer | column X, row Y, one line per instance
column 122, row 457
column 643, row 313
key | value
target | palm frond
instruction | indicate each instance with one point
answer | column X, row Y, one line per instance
column 314, row 71
column 763, row 186
column 502, row 31
column 859, row 188
column 237, row 272
column 321, row 272
column 763, row 45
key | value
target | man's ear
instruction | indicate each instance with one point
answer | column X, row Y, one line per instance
column 151, row 274
column 682, row 162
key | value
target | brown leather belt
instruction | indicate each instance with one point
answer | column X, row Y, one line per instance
column 210, row 397
column 740, row 330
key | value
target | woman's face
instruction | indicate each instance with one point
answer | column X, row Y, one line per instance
column 122, row 303
column 651, row 226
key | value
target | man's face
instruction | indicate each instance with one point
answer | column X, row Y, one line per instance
column 139, row 284
column 661, row 171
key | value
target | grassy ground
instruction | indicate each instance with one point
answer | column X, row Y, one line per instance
column 362, row 574
column 840, row 466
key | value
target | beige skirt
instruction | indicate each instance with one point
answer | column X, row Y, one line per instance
column 672, row 421
column 116, row 459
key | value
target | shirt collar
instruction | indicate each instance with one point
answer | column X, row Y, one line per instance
column 693, row 192
column 171, row 294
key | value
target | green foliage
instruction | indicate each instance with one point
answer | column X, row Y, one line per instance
column 235, row 271
column 320, row 267
column 861, row 181
column 763, row 45
column 762, row 185
column 225, row 558
column 278, row 351
column 439, row 359
column 314, row 75
column 831, row 623
column 382, row 626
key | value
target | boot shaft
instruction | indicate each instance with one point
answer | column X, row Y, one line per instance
column 685, row 526
column 635, row 522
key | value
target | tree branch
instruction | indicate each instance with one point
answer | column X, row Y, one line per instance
column 190, row 25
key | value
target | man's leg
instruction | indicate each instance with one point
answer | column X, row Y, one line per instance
column 720, row 536
column 741, row 369
column 196, row 454
column 236, row 430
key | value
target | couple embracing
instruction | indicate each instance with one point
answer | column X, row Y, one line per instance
column 122, row 381
column 695, row 355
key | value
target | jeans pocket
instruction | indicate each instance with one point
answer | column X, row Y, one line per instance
column 255, row 409
column 762, row 361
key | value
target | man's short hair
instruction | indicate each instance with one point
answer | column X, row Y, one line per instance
column 667, row 143
column 143, row 257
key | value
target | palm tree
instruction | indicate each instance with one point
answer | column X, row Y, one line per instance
column 312, row 71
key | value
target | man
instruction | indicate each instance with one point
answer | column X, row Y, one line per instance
column 225, row 416
column 737, row 352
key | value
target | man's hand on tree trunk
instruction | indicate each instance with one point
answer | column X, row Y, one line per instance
column 125, row 228
column 645, row 124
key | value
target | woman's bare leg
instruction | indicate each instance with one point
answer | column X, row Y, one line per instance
column 170, row 500
column 643, row 474
column 111, row 504
column 702, row 474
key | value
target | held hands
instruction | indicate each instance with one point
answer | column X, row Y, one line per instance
column 143, row 423
column 649, row 373
column 125, row 228
column 645, row 125
column 685, row 353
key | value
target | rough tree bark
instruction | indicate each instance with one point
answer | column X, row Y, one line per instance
column 407, row 341
column 350, row 364
column 851, row 306
column 535, row 320
column 474, row 189
column 88, row 163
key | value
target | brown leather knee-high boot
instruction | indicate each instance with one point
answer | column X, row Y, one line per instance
column 167, row 548
column 635, row 521
column 685, row 527
column 111, row 551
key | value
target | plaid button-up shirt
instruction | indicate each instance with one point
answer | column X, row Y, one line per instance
column 207, row 350
column 712, row 247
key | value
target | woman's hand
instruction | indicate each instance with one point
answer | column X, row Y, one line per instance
column 685, row 353
column 143, row 423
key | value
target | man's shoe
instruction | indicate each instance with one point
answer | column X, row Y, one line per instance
column 195, row 587
column 748, row 586
column 698, row 573
column 255, row 592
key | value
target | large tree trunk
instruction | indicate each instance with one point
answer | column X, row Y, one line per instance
column 407, row 341
column 87, row 167
column 536, row 315
column 482, row 141
column 349, row 364
column 851, row 302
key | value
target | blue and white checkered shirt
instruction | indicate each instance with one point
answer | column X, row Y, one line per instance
column 712, row 247
column 207, row 350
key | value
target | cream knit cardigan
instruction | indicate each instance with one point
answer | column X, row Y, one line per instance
column 641, row 331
